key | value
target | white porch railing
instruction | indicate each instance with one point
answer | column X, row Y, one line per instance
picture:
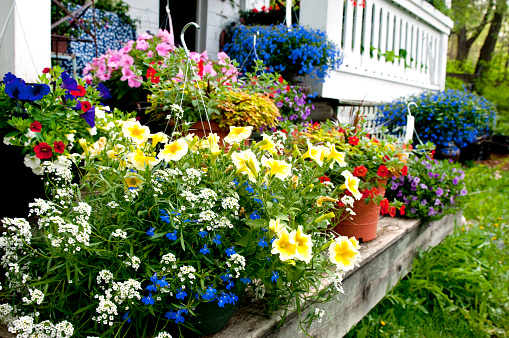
column 411, row 29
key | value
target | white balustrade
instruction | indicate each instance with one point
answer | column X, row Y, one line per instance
column 384, row 27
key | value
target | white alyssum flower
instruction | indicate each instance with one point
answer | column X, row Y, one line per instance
column 36, row 296
column 119, row 233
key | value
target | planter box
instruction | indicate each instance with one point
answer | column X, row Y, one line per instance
column 384, row 261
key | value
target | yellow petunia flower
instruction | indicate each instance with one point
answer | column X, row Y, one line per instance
column 336, row 157
column 115, row 152
column 159, row 137
column 352, row 184
column 238, row 134
column 284, row 245
column 280, row 169
column 268, row 145
column 133, row 182
column 174, row 151
column 135, row 131
column 321, row 199
column 138, row 160
column 275, row 226
column 314, row 153
column 343, row 254
column 304, row 245
column 246, row 163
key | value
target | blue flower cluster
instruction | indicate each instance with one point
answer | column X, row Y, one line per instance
column 17, row 89
column 444, row 117
column 299, row 51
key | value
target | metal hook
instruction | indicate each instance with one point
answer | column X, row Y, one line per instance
column 254, row 45
column 410, row 124
column 182, row 35
column 408, row 107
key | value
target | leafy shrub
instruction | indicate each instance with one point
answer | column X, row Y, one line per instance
column 299, row 51
column 443, row 117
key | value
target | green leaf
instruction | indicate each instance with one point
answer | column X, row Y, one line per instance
column 84, row 308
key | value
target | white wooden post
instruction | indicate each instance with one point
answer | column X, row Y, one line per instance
column 25, row 47
column 289, row 13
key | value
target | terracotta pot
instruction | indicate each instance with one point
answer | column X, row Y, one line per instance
column 202, row 129
column 364, row 223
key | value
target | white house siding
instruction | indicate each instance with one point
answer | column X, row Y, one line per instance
column 220, row 14
column 147, row 12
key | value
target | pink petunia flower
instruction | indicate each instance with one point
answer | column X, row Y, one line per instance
column 127, row 74
column 145, row 36
column 135, row 82
column 166, row 36
column 141, row 45
column 163, row 48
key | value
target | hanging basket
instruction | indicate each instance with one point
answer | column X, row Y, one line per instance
column 363, row 225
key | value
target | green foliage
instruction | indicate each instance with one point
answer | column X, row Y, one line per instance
column 459, row 288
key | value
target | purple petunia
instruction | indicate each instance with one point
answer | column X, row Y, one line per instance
column 423, row 186
column 455, row 181
column 463, row 192
column 439, row 192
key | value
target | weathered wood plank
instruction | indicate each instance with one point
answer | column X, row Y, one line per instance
column 384, row 261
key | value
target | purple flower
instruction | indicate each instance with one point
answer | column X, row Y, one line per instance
column 423, row 186
column 416, row 180
column 463, row 192
column 437, row 201
column 452, row 199
column 424, row 202
column 394, row 185
column 437, row 175
column 414, row 198
column 279, row 104
column 428, row 166
column 14, row 87
column 104, row 92
column 430, row 174
column 406, row 200
column 413, row 185
column 400, row 193
column 439, row 192
column 33, row 93
column 455, row 181
column 413, row 211
column 432, row 212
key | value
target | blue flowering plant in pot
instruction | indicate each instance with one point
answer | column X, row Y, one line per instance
column 293, row 53
column 46, row 119
column 432, row 188
column 162, row 225
column 450, row 119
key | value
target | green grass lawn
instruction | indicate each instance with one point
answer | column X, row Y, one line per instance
column 461, row 287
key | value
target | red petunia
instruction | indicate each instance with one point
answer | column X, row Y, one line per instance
column 432, row 153
column 254, row 10
column 340, row 204
column 384, row 206
column 392, row 211
column 374, row 192
column 353, row 140
column 365, row 193
column 151, row 72
column 85, row 106
column 46, row 70
column 360, row 171
column 404, row 170
column 36, row 126
column 280, row 79
column 59, row 147
column 324, row 179
column 284, row 131
column 80, row 92
column 402, row 210
column 43, row 151
column 382, row 171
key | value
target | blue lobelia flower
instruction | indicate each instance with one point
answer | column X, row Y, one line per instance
column 210, row 293
column 150, row 232
column 152, row 287
column 179, row 318
column 249, row 188
column 257, row 200
column 230, row 285
column 148, row 300
column 126, row 318
column 230, row 251
column 172, row 236
column 245, row 280
column 217, row 239
column 162, row 282
column 181, row 294
column 254, row 215
column 275, row 276
column 233, row 298
column 263, row 243
column 153, row 279
column 204, row 250
column 34, row 92
column 203, row 233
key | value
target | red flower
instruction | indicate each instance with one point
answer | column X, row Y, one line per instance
column 287, row 88
column 46, row 70
column 387, row 158
column 324, row 179
column 85, row 106
column 392, row 211
column 404, row 170
column 402, row 210
column 284, row 131
column 36, row 127
column 374, row 192
column 280, row 80
column 59, row 147
column 365, row 193
column 43, row 151
column 432, row 153
column 200, row 68
column 353, row 140
column 255, row 10
column 80, row 92
column 340, row 204
column 360, row 171
column 382, row 171
column 384, row 206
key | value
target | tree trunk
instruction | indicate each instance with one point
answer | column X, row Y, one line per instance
column 491, row 40
column 463, row 47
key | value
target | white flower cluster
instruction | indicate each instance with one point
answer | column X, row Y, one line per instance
column 133, row 262
column 131, row 195
column 279, row 139
column 259, row 292
column 125, row 290
column 36, row 296
column 25, row 327
column 231, row 203
column 207, row 215
column 178, row 112
column 104, row 275
column 163, row 335
column 168, row 259
column 347, row 200
column 6, row 311
column 13, row 243
column 186, row 272
column 119, row 233
column 42, row 207
column 319, row 314
column 113, row 204
column 107, row 310
column 192, row 177
column 238, row 263
column 337, row 280
column 61, row 169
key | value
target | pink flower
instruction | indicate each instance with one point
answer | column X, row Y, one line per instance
column 127, row 74
column 209, row 69
column 87, row 69
column 127, row 48
column 166, row 36
column 141, row 45
column 126, row 60
column 194, row 56
column 145, row 36
column 88, row 78
column 180, row 76
column 135, row 82
column 163, row 48
column 150, row 54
